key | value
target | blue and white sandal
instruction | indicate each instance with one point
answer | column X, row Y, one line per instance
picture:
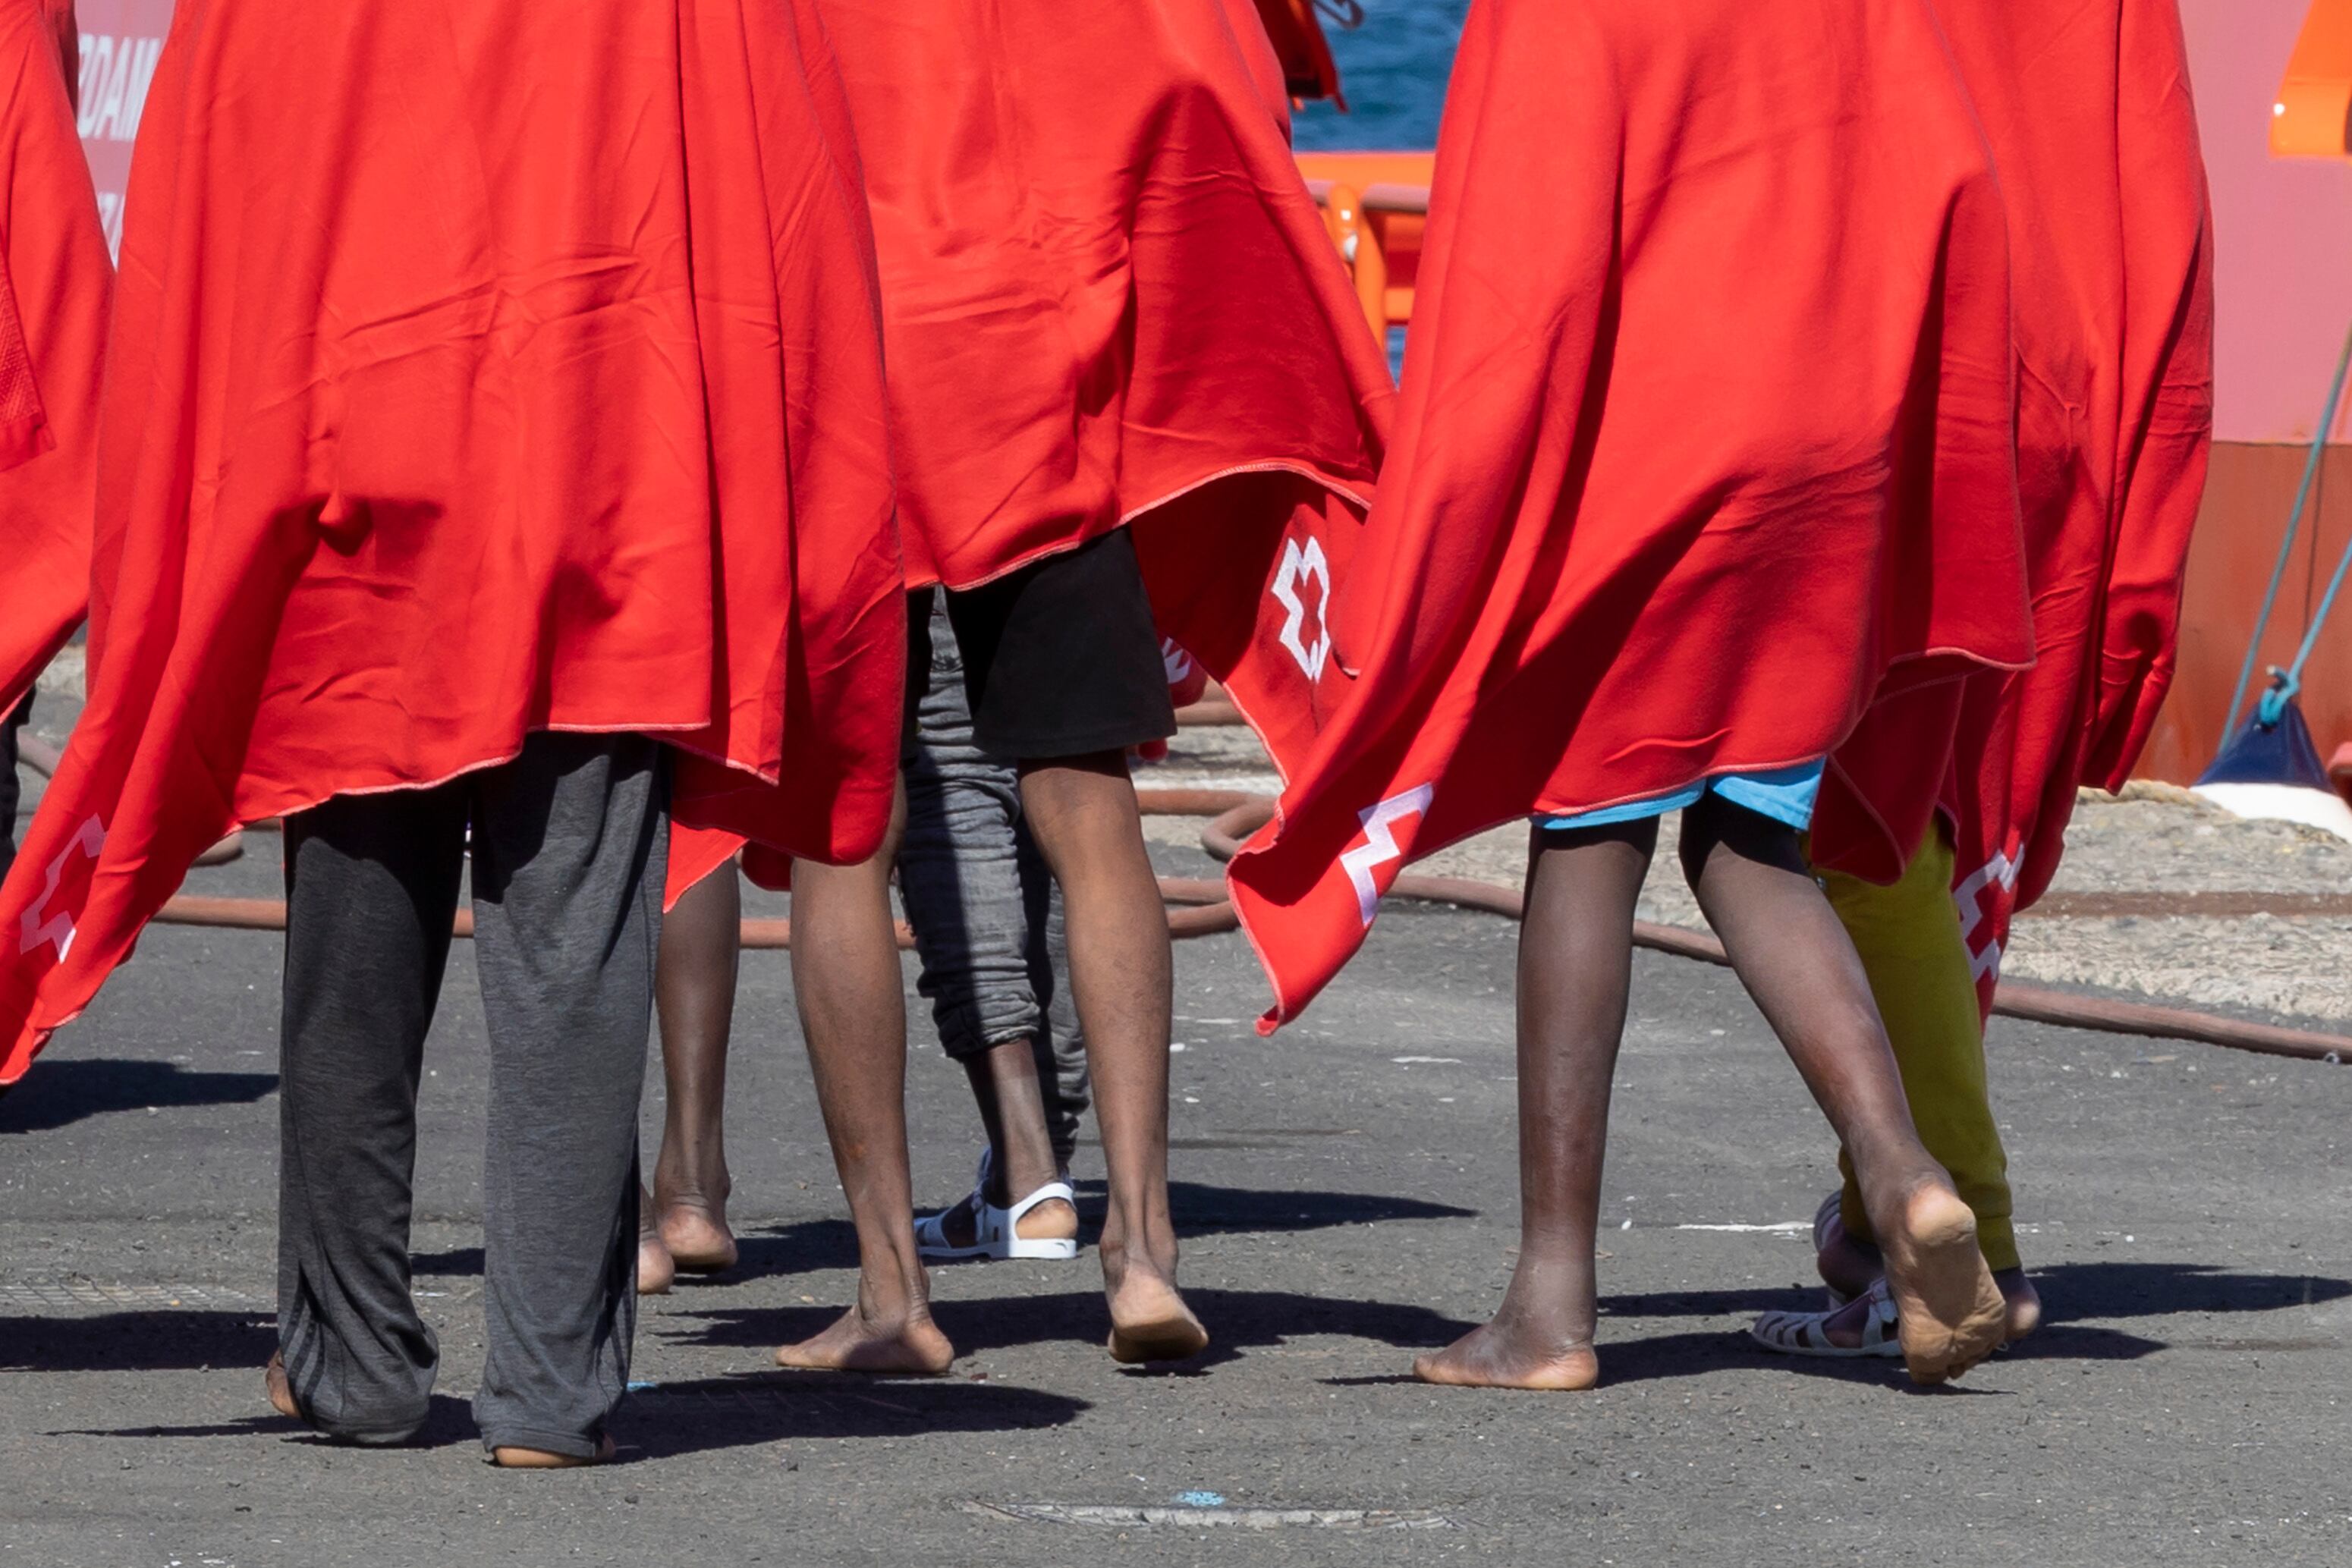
column 996, row 1232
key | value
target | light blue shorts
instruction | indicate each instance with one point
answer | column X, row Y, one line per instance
column 1785, row 795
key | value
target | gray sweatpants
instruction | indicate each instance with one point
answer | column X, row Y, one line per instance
column 986, row 914
column 568, row 845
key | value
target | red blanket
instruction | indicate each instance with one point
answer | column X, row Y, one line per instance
column 55, row 278
column 1103, row 280
column 1705, row 438
column 1108, row 299
column 2088, row 112
column 477, row 370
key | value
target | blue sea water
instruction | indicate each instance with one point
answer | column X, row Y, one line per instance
column 1394, row 70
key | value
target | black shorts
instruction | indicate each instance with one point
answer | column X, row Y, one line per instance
column 1060, row 658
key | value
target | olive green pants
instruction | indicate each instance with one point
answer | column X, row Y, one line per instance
column 1910, row 938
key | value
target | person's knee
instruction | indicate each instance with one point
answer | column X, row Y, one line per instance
column 1078, row 806
column 1061, row 779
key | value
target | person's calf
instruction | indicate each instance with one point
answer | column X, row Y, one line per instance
column 1082, row 812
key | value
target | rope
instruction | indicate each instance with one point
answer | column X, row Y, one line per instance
column 2286, row 552
column 2290, row 680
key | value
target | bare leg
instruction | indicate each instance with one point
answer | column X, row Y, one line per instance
column 701, row 950
column 853, row 1013
column 1798, row 963
column 1576, row 956
column 1012, row 1100
column 1082, row 812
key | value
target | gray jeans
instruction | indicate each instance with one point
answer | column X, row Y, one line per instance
column 569, row 846
column 986, row 914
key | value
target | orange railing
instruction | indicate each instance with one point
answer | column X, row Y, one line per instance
column 1375, row 205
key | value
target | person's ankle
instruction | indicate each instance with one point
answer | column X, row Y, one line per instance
column 711, row 1197
column 1014, row 1175
column 894, row 1292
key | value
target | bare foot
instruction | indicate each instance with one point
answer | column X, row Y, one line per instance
column 2024, row 1302
column 910, row 1347
column 511, row 1458
column 281, row 1389
column 1951, row 1315
column 698, row 1238
column 1505, row 1354
column 655, row 1272
column 1149, row 1319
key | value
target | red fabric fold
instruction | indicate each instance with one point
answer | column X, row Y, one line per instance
column 2088, row 113
column 1706, row 438
column 444, row 409
column 1104, row 282
column 55, row 282
column 1109, row 300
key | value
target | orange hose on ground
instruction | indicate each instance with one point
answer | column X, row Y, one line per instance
column 1202, row 909
column 2016, row 998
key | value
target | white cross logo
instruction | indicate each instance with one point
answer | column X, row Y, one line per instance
column 2003, row 870
column 1299, row 565
column 1177, row 663
column 59, row 928
column 1379, row 846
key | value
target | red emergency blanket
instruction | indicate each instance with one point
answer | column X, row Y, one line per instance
column 1706, row 438
column 2087, row 110
column 55, row 279
column 479, row 369
column 1109, row 300
column 1104, row 283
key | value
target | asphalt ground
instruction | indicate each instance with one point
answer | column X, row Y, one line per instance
column 1346, row 1196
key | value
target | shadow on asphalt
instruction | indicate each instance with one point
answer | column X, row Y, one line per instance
column 2076, row 1298
column 449, row 1423
column 713, row 1413
column 2073, row 1294
column 162, row 1341
column 1658, row 1358
column 1237, row 1320
column 58, row 1094
column 1200, row 1210
column 2076, row 1290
